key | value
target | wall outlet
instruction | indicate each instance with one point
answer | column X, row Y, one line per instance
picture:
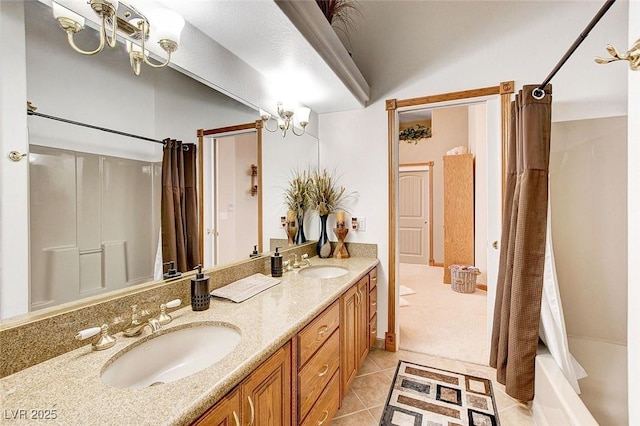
column 358, row 223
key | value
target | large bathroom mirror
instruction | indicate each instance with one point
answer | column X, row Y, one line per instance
column 242, row 164
column 90, row 190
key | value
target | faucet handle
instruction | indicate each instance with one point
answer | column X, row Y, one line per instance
column 165, row 318
column 104, row 341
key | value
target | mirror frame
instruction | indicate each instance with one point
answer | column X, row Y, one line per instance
column 228, row 131
column 504, row 91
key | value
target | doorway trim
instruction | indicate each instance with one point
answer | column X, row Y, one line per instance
column 228, row 131
column 505, row 90
column 429, row 167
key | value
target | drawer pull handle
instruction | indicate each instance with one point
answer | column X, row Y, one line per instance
column 374, row 331
column 323, row 330
column 235, row 418
column 374, row 278
column 374, row 303
column 324, row 418
column 324, row 370
column 253, row 412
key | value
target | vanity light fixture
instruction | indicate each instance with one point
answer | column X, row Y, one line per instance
column 120, row 18
column 286, row 119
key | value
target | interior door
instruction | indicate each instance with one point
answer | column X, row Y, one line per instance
column 235, row 207
column 494, row 205
column 413, row 236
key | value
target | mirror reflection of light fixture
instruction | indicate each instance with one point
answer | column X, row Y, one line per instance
column 117, row 16
column 286, row 119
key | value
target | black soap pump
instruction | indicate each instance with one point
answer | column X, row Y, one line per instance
column 276, row 264
column 200, row 297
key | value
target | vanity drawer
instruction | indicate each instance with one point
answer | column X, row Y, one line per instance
column 373, row 330
column 313, row 377
column 327, row 405
column 373, row 302
column 315, row 334
column 373, row 278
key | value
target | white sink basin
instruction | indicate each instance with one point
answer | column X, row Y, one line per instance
column 323, row 271
column 171, row 356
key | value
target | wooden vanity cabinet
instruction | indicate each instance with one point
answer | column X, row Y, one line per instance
column 226, row 412
column 355, row 329
column 263, row 397
column 328, row 352
column 318, row 367
column 266, row 393
column 373, row 306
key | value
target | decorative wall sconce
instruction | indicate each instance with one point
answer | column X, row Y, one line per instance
column 286, row 121
column 120, row 18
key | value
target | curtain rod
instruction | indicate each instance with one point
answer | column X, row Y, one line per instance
column 539, row 92
column 30, row 111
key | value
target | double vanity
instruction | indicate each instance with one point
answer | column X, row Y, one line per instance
column 288, row 354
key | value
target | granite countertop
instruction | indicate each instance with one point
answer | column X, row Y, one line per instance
column 68, row 389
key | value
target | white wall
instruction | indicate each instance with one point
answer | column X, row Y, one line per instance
column 588, row 193
column 14, row 222
column 478, row 146
column 449, row 128
column 633, row 189
column 357, row 140
column 280, row 157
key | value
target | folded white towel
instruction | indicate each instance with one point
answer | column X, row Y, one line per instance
column 245, row 288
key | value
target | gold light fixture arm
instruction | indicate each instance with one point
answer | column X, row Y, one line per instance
column 107, row 13
column 293, row 129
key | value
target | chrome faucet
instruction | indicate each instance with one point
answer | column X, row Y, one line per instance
column 305, row 259
column 137, row 325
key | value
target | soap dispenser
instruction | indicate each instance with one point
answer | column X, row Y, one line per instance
column 254, row 253
column 276, row 264
column 200, row 297
column 172, row 272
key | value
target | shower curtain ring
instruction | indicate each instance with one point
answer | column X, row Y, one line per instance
column 538, row 93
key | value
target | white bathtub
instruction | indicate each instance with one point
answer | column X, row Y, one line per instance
column 556, row 403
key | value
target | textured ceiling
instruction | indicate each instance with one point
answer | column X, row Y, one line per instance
column 260, row 34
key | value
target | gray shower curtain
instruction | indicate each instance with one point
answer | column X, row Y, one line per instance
column 180, row 232
column 516, row 317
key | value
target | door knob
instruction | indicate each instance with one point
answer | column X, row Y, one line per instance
column 495, row 245
column 16, row 156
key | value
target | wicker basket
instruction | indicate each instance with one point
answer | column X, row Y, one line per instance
column 463, row 278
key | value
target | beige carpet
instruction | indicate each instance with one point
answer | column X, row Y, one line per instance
column 439, row 321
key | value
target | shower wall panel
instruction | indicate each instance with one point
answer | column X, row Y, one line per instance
column 94, row 224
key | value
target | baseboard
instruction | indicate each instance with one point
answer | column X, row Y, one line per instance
column 378, row 344
column 481, row 287
column 438, row 264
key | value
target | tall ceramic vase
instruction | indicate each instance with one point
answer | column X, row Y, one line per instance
column 323, row 248
column 300, row 238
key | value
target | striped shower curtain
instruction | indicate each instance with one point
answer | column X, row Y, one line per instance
column 516, row 318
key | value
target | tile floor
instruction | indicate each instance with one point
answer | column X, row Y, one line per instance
column 363, row 404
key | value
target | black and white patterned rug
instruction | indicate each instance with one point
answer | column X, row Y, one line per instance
column 426, row 396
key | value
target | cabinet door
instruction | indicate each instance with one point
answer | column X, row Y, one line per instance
column 363, row 320
column 266, row 393
column 349, row 337
column 225, row 413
